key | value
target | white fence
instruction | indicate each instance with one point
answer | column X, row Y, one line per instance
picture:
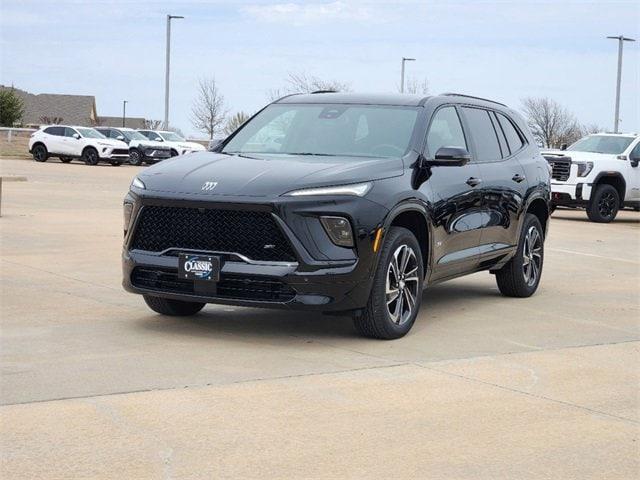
column 9, row 133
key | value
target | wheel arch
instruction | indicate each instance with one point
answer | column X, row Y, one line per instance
column 540, row 208
column 39, row 143
column 414, row 217
column 615, row 179
column 87, row 147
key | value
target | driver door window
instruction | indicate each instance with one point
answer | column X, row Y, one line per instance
column 445, row 131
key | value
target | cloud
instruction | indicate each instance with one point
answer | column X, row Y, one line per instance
column 310, row 13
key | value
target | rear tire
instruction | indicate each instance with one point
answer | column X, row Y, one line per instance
column 174, row 308
column 40, row 153
column 90, row 156
column 520, row 277
column 399, row 278
column 604, row 204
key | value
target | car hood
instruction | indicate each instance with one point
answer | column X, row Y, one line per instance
column 148, row 143
column 269, row 175
column 581, row 156
column 112, row 142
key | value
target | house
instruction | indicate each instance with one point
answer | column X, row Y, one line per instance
column 54, row 108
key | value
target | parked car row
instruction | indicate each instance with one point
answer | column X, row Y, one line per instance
column 107, row 144
column 599, row 173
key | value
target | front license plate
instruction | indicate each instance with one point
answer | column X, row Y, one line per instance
column 199, row 267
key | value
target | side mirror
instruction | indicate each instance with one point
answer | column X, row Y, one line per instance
column 76, row 136
column 120, row 137
column 450, row 157
column 634, row 160
column 158, row 139
column 563, row 146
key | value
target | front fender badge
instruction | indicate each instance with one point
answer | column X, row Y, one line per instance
column 376, row 241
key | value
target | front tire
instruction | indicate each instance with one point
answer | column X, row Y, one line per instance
column 396, row 293
column 90, row 156
column 604, row 204
column 40, row 153
column 135, row 157
column 174, row 308
column 520, row 277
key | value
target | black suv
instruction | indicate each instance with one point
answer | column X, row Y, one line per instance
column 343, row 203
column 141, row 149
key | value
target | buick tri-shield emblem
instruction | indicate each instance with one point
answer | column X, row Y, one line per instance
column 207, row 186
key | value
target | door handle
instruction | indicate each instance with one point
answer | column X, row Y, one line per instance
column 518, row 178
column 473, row 182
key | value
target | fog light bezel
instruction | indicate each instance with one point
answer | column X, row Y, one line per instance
column 127, row 213
column 329, row 225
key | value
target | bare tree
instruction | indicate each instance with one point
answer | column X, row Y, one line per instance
column 416, row 87
column 234, row 122
column 152, row 124
column 47, row 120
column 207, row 111
column 592, row 128
column 551, row 124
column 303, row 83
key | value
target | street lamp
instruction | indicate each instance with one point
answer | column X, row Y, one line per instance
column 166, row 75
column 124, row 112
column 404, row 59
column 621, row 39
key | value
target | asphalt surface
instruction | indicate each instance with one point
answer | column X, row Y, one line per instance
column 95, row 385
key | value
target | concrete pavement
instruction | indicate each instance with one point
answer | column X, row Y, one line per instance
column 94, row 385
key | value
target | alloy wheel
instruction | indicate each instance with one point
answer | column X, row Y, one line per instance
column 402, row 284
column 532, row 256
column 607, row 204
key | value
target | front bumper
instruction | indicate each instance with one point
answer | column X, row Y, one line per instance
column 156, row 154
column 570, row 194
column 108, row 153
column 323, row 276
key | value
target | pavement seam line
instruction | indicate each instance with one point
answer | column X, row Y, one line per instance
column 528, row 394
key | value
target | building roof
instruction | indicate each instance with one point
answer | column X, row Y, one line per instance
column 56, row 108
column 130, row 122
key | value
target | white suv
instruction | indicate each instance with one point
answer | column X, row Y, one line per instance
column 599, row 172
column 179, row 146
column 68, row 143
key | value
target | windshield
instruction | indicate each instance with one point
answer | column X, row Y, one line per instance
column 172, row 137
column 310, row 129
column 602, row 144
column 90, row 133
column 133, row 135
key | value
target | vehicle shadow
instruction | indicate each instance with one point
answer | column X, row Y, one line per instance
column 584, row 219
column 265, row 324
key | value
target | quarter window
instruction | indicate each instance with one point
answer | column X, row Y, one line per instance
column 445, row 131
column 484, row 136
column 513, row 137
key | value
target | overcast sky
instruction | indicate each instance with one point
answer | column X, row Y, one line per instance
column 500, row 50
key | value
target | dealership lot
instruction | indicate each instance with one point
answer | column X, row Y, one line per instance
column 95, row 385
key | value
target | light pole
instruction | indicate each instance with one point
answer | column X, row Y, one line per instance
column 404, row 59
column 124, row 112
column 621, row 39
column 166, row 74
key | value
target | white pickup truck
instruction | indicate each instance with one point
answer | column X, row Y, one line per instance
column 599, row 172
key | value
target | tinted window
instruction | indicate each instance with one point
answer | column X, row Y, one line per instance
column 513, row 137
column 104, row 131
column 484, row 136
column 149, row 135
column 635, row 153
column 59, row 131
column 445, row 131
column 69, row 132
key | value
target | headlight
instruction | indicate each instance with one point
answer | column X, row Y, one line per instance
column 127, row 210
column 339, row 230
column 358, row 189
column 584, row 168
column 138, row 183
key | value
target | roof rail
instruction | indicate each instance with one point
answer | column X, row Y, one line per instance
column 451, row 94
column 324, row 91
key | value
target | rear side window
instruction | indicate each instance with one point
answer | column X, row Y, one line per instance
column 513, row 137
column 484, row 136
column 58, row 131
column 445, row 131
column 104, row 131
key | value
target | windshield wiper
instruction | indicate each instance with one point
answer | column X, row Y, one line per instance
column 311, row 154
column 238, row 154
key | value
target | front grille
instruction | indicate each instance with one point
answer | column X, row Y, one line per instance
column 560, row 166
column 229, row 287
column 120, row 151
column 252, row 234
column 158, row 153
